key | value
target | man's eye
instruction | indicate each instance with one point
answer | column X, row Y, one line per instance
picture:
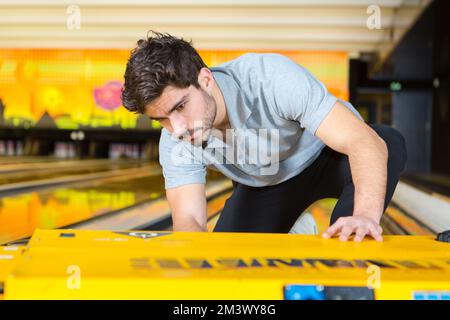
column 180, row 107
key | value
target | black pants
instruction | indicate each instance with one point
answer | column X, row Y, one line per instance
column 275, row 208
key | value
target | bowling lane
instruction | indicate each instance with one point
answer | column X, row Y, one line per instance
column 395, row 221
column 5, row 160
column 435, row 184
column 46, row 165
column 141, row 194
column 155, row 214
column 81, row 203
column 68, row 168
column 61, row 206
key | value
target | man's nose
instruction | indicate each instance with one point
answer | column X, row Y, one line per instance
column 179, row 126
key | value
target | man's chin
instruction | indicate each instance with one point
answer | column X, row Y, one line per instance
column 198, row 142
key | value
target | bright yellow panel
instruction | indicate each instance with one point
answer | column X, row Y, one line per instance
column 66, row 264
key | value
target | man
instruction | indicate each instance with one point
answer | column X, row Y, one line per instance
column 319, row 145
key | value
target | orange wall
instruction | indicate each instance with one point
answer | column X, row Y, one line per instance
column 62, row 82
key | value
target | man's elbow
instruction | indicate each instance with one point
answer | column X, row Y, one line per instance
column 382, row 146
column 375, row 145
column 379, row 144
column 371, row 143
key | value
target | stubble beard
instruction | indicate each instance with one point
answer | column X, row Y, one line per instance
column 207, row 121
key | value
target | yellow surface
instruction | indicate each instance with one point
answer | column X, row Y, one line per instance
column 112, row 265
column 8, row 255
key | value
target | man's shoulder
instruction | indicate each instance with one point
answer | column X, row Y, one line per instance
column 253, row 59
column 252, row 69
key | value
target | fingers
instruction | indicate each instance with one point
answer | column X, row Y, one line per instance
column 360, row 234
column 380, row 229
column 332, row 230
column 346, row 232
column 360, row 227
column 375, row 232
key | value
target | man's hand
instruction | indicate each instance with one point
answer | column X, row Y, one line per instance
column 358, row 225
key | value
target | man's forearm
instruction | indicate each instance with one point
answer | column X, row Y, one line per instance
column 188, row 224
column 368, row 164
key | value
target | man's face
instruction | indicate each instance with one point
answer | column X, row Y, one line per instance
column 186, row 113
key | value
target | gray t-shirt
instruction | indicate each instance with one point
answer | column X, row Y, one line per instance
column 274, row 106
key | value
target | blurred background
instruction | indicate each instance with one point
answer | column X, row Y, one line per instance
column 71, row 156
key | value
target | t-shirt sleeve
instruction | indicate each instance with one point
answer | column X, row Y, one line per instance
column 179, row 166
column 297, row 94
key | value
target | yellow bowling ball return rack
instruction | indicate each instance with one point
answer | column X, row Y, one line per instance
column 75, row 264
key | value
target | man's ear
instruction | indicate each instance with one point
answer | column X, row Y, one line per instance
column 206, row 79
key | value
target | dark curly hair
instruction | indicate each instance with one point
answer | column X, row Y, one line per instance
column 155, row 63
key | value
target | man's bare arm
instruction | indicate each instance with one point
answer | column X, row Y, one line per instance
column 188, row 205
column 367, row 152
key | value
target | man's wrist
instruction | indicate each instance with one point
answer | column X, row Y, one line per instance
column 374, row 214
